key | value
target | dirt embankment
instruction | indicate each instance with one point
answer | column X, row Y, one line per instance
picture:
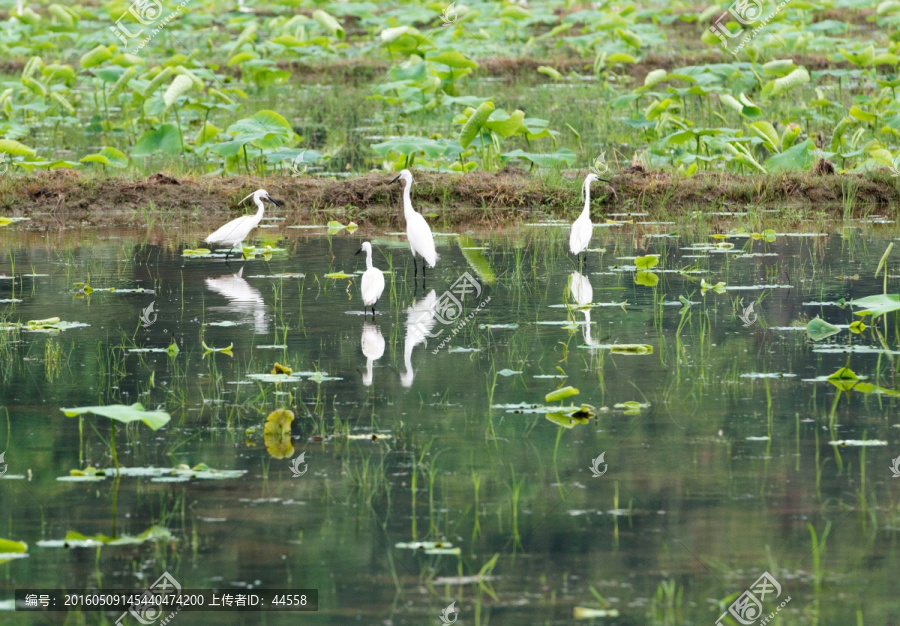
column 67, row 198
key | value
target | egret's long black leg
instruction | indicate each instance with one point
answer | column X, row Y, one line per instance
column 415, row 267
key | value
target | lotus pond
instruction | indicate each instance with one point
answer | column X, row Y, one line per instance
column 460, row 467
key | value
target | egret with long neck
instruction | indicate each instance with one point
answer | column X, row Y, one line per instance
column 582, row 229
column 234, row 232
column 372, row 283
column 421, row 241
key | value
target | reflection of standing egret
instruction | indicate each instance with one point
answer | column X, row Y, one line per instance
column 419, row 322
column 372, row 284
column 582, row 293
column 582, row 229
column 242, row 296
column 421, row 241
column 372, row 348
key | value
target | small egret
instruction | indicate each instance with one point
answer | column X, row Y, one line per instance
column 234, row 232
column 421, row 241
column 372, row 284
column 419, row 322
column 372, row 348
column 583, row 228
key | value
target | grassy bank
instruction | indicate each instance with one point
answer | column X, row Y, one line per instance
column 487, row 198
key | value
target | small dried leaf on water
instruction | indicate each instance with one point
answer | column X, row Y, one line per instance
column 281, row 369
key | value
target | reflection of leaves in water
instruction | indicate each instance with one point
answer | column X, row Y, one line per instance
column 277, row 433
column 75, row 539
column 10, row 550
column 646, row 279
column 844, row 379
column 476, row 259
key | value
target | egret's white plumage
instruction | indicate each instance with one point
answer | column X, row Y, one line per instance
column 234, row 232
column 372, row 283
column 372, row 348
column 421, row 241
column 582, row 229
column 419, row 322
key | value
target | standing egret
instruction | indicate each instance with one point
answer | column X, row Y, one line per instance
column 372, row 284
column 234, row 232
column 372, row 348
column 421, row 241
column 583, row 228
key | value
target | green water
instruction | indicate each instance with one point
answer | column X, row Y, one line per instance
column 711, row 480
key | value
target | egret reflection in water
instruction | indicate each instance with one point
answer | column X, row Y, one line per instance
column 583, row 294
column 419, row 322
column 372, row 348
column 243, row 298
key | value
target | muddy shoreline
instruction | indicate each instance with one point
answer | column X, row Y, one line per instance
column 487, row 198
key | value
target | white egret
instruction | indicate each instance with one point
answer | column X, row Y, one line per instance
column 421, row 241
column 234, row 232
column 241, row 297
column 419, row 322
column 372, row 284
column 372, row 348
column 583, row 228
